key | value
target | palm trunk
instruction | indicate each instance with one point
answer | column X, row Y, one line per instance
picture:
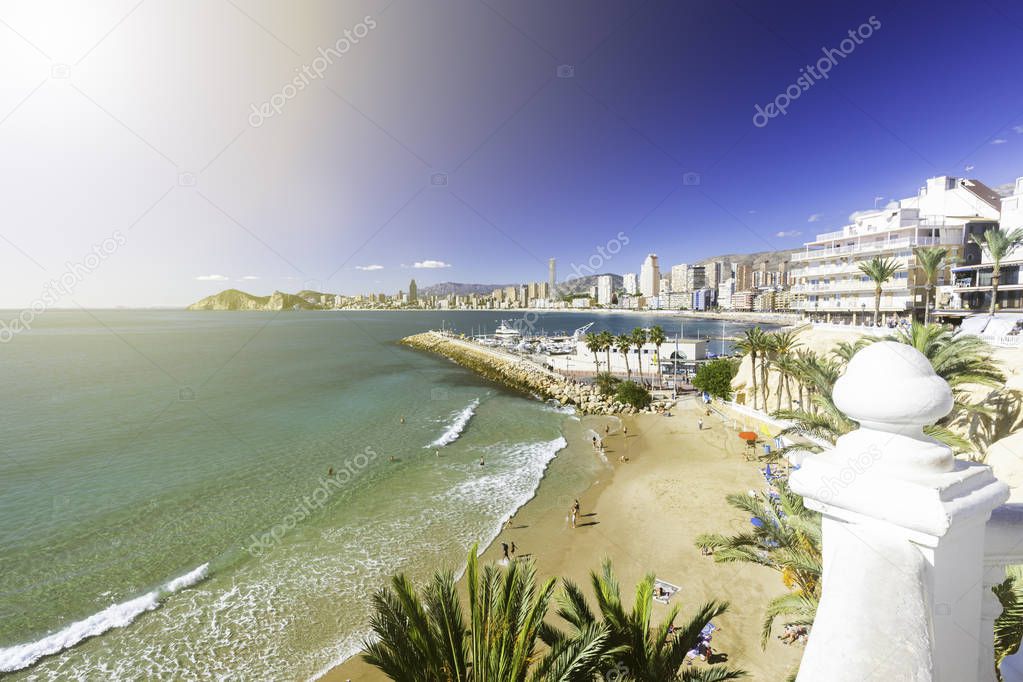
column 777, row 402
column 877, row 305
column 753, row 364
column 607, row 357
column 996, row 275
column 639, row 363
column 927, row 305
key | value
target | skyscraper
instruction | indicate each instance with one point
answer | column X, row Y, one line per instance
column 630, row 283
column 552, row 280
column 679, row 277
column 605, row 289
column 413, row 293
column 650, row 277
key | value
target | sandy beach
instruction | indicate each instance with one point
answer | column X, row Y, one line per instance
column 644, row 515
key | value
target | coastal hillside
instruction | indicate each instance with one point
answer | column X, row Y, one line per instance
column 773, row 258
column 233, row 299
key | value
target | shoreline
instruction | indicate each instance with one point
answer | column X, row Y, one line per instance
column 644, row 515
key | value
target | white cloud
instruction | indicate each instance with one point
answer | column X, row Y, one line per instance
column 249, row 277
column 212, row 278
column 369, row 267
column 431, row 264
column 1018, row 129
column 815, row 217
column 999, row 140
column 969, row 168
column 788, row 233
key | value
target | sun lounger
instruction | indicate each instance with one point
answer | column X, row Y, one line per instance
column 666, row 589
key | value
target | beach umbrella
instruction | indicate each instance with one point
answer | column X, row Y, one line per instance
column 748, row 436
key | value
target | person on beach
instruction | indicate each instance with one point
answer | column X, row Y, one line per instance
column 699, row 424
column 574, row 512
column 607, row 429
column 625, row 430
column 504, row 550
column 513, row 549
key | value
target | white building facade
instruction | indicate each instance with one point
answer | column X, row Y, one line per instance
column 828, row 282
column 605, row 290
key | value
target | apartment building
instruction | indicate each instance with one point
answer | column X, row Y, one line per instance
column 971, row 285
column 828, row 283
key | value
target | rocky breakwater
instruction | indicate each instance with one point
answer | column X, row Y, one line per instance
column 521, row 374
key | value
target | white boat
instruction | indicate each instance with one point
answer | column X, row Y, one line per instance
column 506, row 334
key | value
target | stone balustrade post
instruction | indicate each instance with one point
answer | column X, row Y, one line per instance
column 904, row 526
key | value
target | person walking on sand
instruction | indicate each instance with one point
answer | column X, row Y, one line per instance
column 504, row 550
column 574, row 513
column 607, row 429
column 513, row 549
column 625, row 430
column 699, row 424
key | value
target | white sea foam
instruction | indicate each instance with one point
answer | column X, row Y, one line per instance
column 114, row 616
column 457, row 425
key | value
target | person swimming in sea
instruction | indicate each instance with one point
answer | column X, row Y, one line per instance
column 402, row 420
column 330, row 471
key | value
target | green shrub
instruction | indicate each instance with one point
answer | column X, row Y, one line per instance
column 631, row 393
column 715, row 377
column 606, row 383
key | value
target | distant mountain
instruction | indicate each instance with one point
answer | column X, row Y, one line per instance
column 460, row 289
column 773, row 258
column 582, row 285
column 233, row 299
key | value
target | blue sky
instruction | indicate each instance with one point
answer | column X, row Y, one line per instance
column 446, row 136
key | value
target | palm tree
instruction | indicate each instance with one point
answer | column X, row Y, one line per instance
column 607, row 341
column 997, row 244
column 639, row 339
column 752, row 343
column 788, row 541
column 657, row 337
column 426, row 636
column 783, row 345
column 642, row 652
column 1009, row 625
column 594, row 346
column 624, row 343
column 961, row 360
column 931, row 260
column 880, row 270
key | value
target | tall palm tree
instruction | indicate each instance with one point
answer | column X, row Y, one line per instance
column 642, row 652
column 752, row 343
column 639, row 339
column 657, row 337
column 788, row 541
column 783, row 344
column 930, row 259
column 607, row 341
column 594, row 346
column 997, row 244
column 624, row 343
column 427, row 636
column 879, row 270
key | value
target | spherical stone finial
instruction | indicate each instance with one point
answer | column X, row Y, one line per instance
column 891, row 385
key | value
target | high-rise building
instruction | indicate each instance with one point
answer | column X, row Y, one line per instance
column 605, row 289
column 743, row 277
column 665, row 286
column 413, row 293
column 679, row 277
column 630, row 283
column 552, row 280
column 696, row 278
column 650, row 277
column 713, row 272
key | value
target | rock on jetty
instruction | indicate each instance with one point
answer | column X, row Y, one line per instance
column 520, row 373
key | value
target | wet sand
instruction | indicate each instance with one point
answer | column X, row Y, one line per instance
column 644, row 515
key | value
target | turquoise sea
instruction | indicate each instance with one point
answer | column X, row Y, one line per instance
column 167, row 507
